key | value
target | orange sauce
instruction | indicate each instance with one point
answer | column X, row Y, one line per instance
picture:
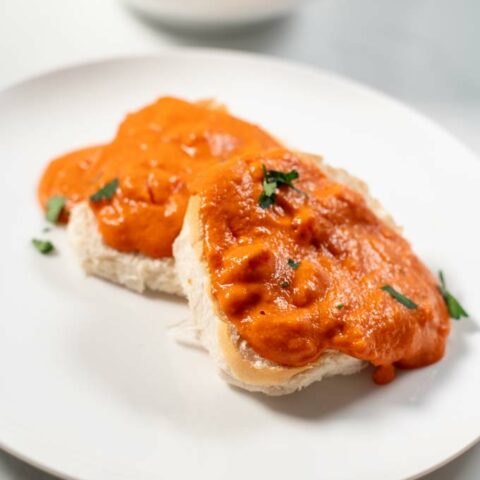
column 333, row 300
column 156, row 154
column 70, row 176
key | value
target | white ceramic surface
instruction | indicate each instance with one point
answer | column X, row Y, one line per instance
column 213, row 13
column 91, row 384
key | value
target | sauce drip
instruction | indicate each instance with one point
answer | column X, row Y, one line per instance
column 156, row 154
column 333, row 299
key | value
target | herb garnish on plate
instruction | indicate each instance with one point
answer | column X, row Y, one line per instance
column 43, row 246
column 455, row 310
column 54, row 208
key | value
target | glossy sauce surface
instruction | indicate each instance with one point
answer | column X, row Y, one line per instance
column 155, row 155
column 333, row 299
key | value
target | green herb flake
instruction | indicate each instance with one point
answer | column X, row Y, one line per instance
column 54, row 208
column 285, row 284
column 399, row 297
column 269, row 188
column 455, row 310
column 43, row 246
column 266, row 201
column 273, row 179
column 339, row 306
column 293, row 264
column 280, row 178
column 106, row 192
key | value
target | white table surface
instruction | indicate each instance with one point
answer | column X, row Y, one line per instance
column 424, row 52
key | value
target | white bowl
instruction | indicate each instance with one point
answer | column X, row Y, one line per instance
column 215, row 13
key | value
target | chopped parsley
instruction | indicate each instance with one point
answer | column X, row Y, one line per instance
column 339, row 306
column 106, row 192
column 399, row 297
column 43, row 246
column 293, row 264
column 455, row 310
column 285, row 284
column 273, row 179
column 54, row 208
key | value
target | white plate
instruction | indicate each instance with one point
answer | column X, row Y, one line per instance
column 91, row 384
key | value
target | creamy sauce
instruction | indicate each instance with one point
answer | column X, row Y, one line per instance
column 156, row 154
column 333, row 300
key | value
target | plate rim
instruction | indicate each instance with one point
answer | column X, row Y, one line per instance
column 225, row 53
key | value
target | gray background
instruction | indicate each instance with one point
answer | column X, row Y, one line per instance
column 424, row 52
